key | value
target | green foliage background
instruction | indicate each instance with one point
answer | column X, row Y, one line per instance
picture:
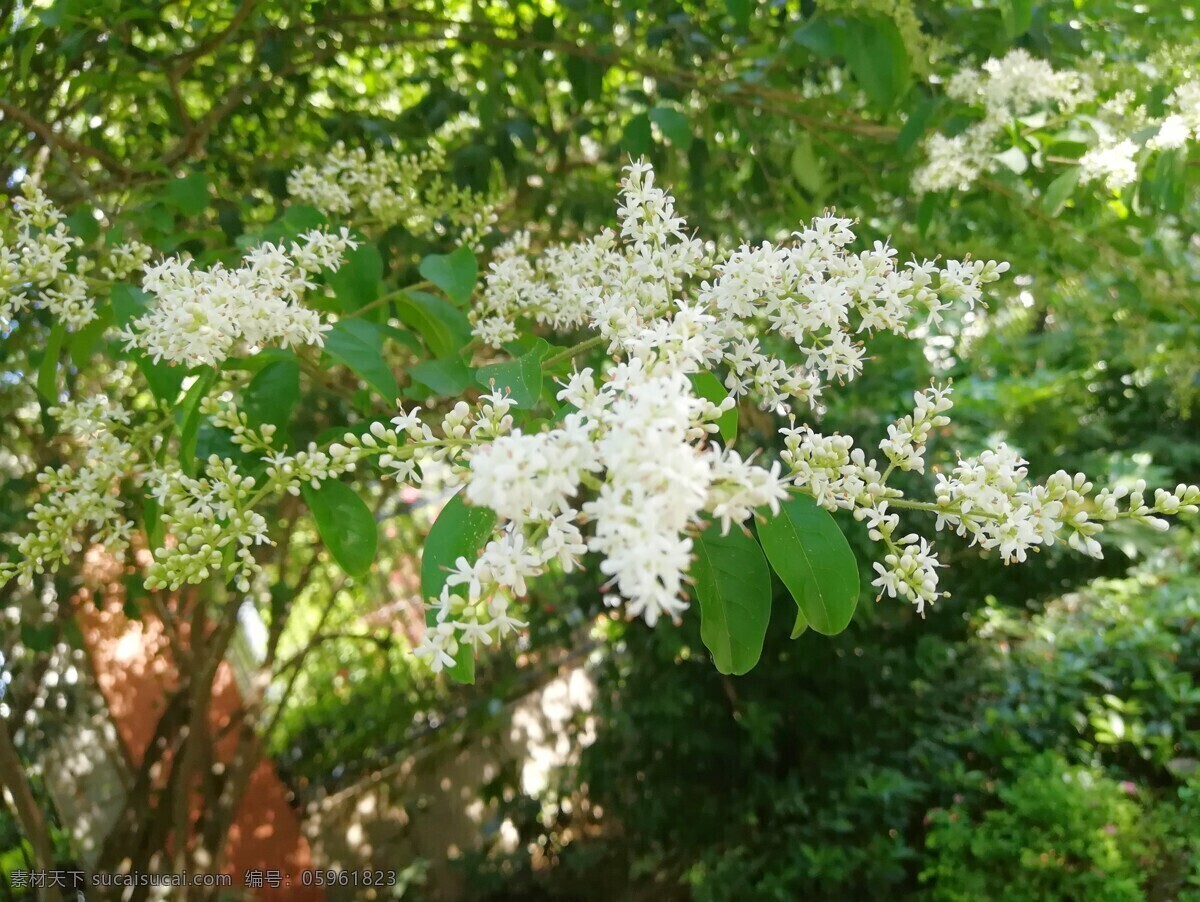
column 1038, row 734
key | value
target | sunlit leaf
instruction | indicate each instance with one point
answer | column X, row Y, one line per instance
column 814, row 560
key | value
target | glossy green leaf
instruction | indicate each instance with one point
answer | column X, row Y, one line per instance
column 521, row 378
column 356, row 283
column 449, row 376
column 674, row 125
column 188, row 419
column 359, row 346
column 1166, row 189
column 733, row 587
column 637, row 137
column 454, row 273
column 346, row 525
column 444, row 328
column 459, row 531
column 1060, row 190
column 299, row 218
column 814, row 560
column 188, row 195
column 272, row 394
column 877, row 58
column 800, row 626
column 709, row 387
column 152, row 522
column 82, row 223
column 1017, row 15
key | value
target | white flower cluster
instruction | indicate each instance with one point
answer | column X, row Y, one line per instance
column 387, row 190
column 212, row 524
column 660, row 291
column 987, row 499
column 1019, row 84
column 1183, row 123
column 1007, row 89
column 210, row 520
column 638, row 442
column 1111, row 162
column 630, row 471
column 202, row 315
column 1022, row 89
column 40, row 261
column 82, row 499
column 629, row 468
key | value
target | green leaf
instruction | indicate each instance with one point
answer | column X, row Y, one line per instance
column 164, row 380
column 359, row 346
column 152, row 521
column 1060, row 190
column 83, row 223
column 521, row 378
column 733, row 587
column 47, row 377
column 926, row 209
column 709, row 387
column 1017, row 15
column 300, row 218
column 806, row 166
column 459, row 531
column 84, row 342
column 454, row 273
column 188, row 195
column 814, row 560
column 817, row 36
column 674, row 125
column 1166, row 189
column 444, row 328
column 346, row 525
column 877, row 58
column 403, row 336
column 356, row 283
column 449, row 376
column 637, row 137
column 919, row 113
column 800, row 626
column 188, row 418
column 257, row 362
column 272, row 394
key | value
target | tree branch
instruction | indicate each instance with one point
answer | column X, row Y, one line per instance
column 56, row 140
column 29, row 813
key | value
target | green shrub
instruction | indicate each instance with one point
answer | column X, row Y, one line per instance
column 1061, row 832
